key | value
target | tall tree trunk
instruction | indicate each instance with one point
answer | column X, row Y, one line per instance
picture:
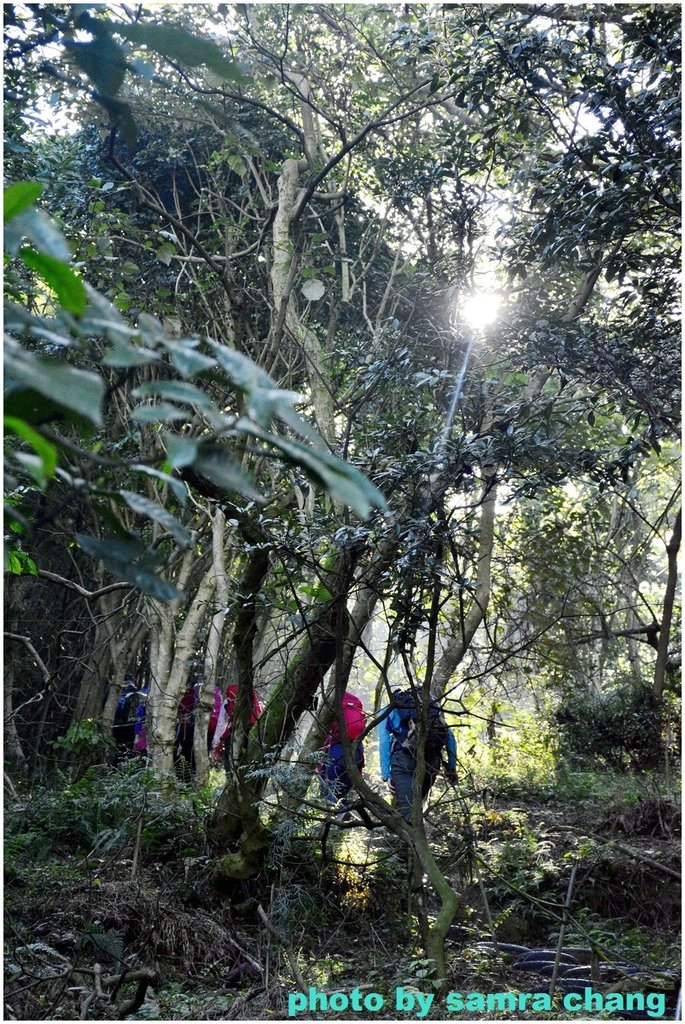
column 119, row 636
column 15, row 757
column 16, row 592
column 124, row 653
column 283, row 275
column 169, row 671
column 217, row 622
column 672, row 549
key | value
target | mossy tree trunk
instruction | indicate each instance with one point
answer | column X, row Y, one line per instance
column 236, row 822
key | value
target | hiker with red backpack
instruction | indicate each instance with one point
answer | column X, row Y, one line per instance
column 184, row 758
column 335, row 779
column 398, row 743
column 214, row 716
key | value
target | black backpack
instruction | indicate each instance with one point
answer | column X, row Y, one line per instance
column 408, row 707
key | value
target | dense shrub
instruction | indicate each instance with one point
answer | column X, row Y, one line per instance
column 622, row 728
column 102, row 811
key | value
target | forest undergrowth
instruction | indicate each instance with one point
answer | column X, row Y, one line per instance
column 112, row 912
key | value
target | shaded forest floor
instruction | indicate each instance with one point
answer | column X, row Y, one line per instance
column 110, row 907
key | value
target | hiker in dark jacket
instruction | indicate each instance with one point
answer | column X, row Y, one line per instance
column 397, row 746
column 123, row 729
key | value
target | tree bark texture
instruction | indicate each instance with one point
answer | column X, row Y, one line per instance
column 170, row 674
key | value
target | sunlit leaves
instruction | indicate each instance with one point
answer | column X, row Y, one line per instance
column 38, row 387
column 66, row 285
column 36, row 226
column 19, row 197
column 19, row 563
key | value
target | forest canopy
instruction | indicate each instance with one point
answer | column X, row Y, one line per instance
column 342, row 353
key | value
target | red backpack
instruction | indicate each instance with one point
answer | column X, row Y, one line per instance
column 355, row 720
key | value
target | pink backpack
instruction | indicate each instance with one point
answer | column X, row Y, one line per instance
column 355, row 720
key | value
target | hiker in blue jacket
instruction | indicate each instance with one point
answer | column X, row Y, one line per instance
column 123, row 729
column 397, row 743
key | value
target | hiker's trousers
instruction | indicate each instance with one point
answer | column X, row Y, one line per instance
column 402, row 768
column 335, row 782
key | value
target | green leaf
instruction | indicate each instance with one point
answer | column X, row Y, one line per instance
column 19, row 197
column 343, row 482
column 122, row 354
column 241, row 370
column 102, row 60
column 121, row 115
column 131, row 561
column 181, row 451
column 65, row 385
column 223, row 471
column 107, row 514
column 46, row 452
column 144, row 507
column 266, row 400
column 60, row 340
column 111, row 943
column 236, row 164
column 31, row 406
column 177, row 43
column 102, row 317
column 177, row 486
column 187, row 361
column 19, row 564
column 17, row 522
column 33, row 465
column 41, row 230
column 175, row 390
column 165, row 253
column 317, row 593
column 66, row 285
column 150, row 328
column 162, row 413
column 265, row 405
